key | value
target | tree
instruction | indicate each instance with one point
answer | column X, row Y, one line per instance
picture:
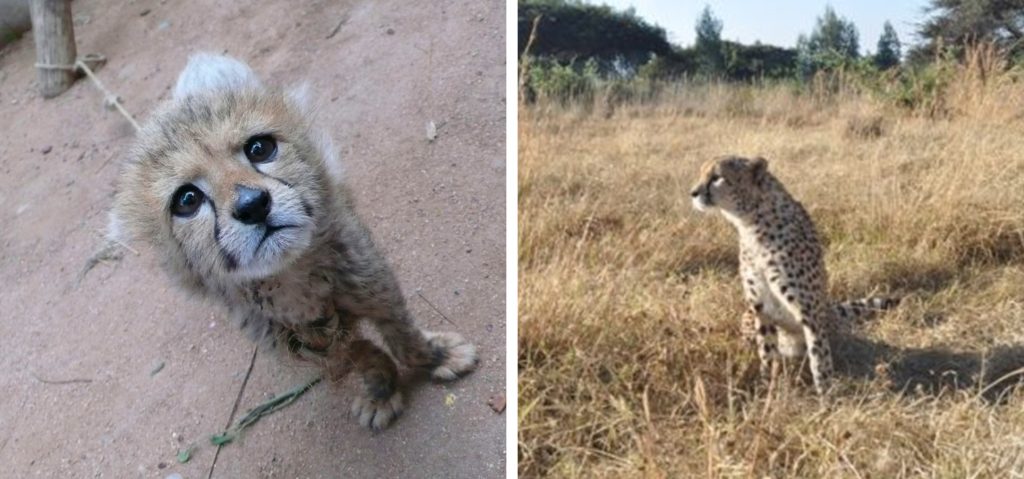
column 572, row 30
column 888, row 54
column 710, row 54
column 836, row 34
column 833, row 42
column 955, row 23
column 758, row 61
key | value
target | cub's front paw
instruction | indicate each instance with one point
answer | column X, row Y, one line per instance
column 376, row 414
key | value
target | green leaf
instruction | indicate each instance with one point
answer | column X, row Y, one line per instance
column 185, row 454
column 222, row 438
column 261, row 410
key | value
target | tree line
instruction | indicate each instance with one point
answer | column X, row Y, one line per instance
column 617, row 43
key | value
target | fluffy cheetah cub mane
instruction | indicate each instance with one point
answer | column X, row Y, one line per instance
column 781, row 264
column 242, row 199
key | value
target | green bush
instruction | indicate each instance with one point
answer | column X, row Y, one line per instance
column 563, row 82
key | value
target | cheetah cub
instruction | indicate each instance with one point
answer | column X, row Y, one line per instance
column 242, row 199
column 784, row 280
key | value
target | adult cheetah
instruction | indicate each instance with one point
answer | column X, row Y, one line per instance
column 784, row 280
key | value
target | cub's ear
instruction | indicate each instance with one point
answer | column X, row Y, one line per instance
column 208, row 73
column 127, row 220
column 116, row 228
column 758, row 168
column 300, row 97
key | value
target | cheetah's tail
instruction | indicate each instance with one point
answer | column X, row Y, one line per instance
column 863, row 308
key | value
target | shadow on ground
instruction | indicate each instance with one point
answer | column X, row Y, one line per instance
column 992, row 372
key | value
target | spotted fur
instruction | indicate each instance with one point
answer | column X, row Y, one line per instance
column 781, row 264
column 299, row 281
column 846, row 312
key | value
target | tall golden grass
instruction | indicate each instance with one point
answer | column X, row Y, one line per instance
column 631, row 362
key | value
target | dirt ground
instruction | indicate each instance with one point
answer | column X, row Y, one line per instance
column 78, row 355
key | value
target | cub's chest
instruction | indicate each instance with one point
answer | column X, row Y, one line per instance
column 300, row 315
column 290, row 302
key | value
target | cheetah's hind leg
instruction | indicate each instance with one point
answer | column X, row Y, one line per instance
column 444, row 355
column 820, row 355
column 453, row 355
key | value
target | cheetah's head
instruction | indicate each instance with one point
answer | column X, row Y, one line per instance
column 228, row 179
column 731, row 184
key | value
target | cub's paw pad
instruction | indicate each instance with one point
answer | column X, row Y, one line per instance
column 453, row 355
column 376, row 414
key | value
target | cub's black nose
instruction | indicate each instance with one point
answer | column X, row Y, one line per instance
column 695, row 192
column 252, row 205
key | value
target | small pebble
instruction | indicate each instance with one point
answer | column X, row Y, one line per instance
column 145, row 12
column 497, row 403
column 431, row 131
column 46, row 149
column 391, row 31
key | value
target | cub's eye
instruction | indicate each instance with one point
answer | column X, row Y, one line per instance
column 714, row 178
column 260, row 149
column 186, row 201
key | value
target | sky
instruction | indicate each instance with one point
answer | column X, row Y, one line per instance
column 778, row 22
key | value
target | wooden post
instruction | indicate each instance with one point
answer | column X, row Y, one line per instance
column 55, row 45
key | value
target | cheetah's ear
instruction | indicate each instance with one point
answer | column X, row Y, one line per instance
column 758, row 168
column 206, row 73
column 300, row 97
column 115, row 228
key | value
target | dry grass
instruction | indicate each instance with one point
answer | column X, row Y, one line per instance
column 630, row 360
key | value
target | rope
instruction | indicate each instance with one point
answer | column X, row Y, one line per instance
column 109, row 99
column 50, row 66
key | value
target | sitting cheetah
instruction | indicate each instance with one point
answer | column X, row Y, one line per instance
column 784, row 278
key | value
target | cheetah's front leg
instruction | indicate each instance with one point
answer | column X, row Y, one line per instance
column 766, row 340
column 381, row 401
column 764, row 335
